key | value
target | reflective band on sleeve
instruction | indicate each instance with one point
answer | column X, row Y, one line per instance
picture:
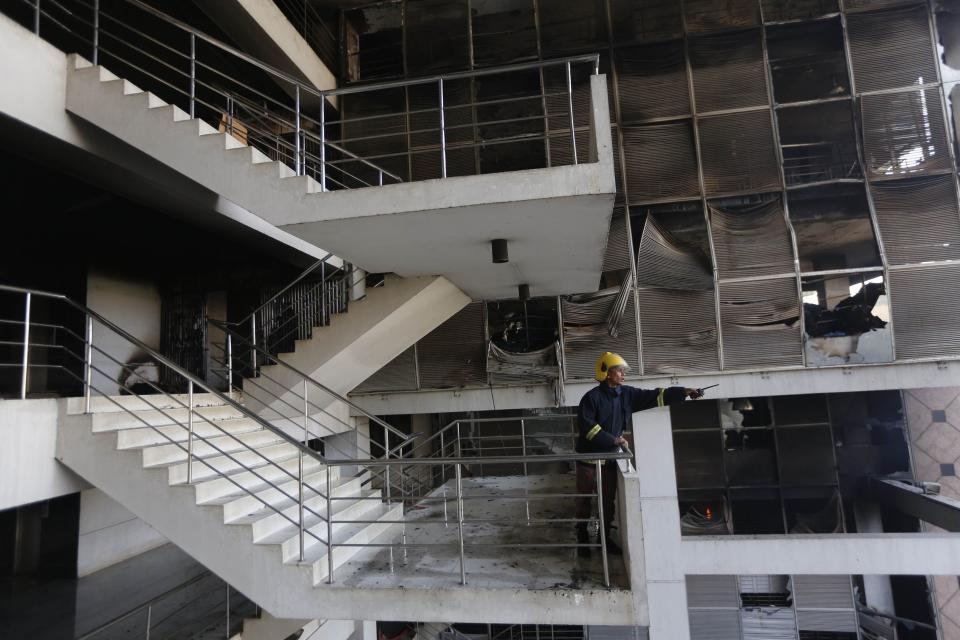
column 660, row 398
column 593, row 432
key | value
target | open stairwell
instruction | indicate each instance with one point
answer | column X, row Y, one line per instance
column 239, row 515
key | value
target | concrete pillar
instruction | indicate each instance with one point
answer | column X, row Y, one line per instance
column 877, row 589
column 660, row 516
column 358, row 288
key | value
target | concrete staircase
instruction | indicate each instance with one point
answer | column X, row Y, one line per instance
column 239, row 516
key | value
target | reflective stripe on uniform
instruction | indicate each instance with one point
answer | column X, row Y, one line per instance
column 660, row 398
column 593, row 432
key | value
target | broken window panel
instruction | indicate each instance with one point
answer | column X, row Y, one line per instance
column 759, row 324
column 819, row 143
column 757, row 511
column 807, row 61
column 652, row 81
column 695, row 415
column 437, row 34
column 454, row 354
column 814, row 511
column 566, row 26
column 661, row 161
column 699, row 461
column 874, row 45
column 504, row 31
column 741, row 413
column 750, row 457
column 598, row 322
column 645, row 19
column 714, row 15
column 948, row 30
column 523, row 344
column 728, row 70
column 845, row 319
column 400, row 374
column 738, row 154
column 806, row 456
column 704, row 512
column 780, row 11
column 805, row 409
column 925, row 310
column 904, row 134
column 833, row 228
column 919, row 219
column 379, row 46
column 750, row 237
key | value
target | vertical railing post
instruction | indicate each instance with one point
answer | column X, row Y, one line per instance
column 463, row 566
column 443, row 134
column 297, row 145
column 189, row 431
column 24, row 376
column 443, row 478
column 603, row 529
column 380, row 178
column 149, row 620
column 96, row 33
column 329, row 529
column 573, row 133
column 253, row 345
column 386, row 456
column 36, row 18
column 323, row 143
column 193, row 74
column 228, row 612
column 523, row 452
column 306, row 437
column 229, row 363
column 88, row 365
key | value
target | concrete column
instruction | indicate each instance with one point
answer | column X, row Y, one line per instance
column 877, row 589
column 660, row 517
column 358, row 287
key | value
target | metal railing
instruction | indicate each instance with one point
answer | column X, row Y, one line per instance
column 404, row 130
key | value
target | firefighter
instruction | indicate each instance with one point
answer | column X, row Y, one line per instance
column 605, row 411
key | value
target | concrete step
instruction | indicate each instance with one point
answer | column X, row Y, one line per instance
column 278, row 495
column 365, row 506
column 354, row 534
column 117, row 404
column 266, row 522
column 161, row 417
column 148, row 436
column 239, row 461
column 166, row 454
column 218, row 490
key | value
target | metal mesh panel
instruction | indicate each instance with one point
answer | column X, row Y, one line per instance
column 712, row 624
column 822, row 592
column 712, row 591
column 454, row 354
column 617, row 255
column 400, row 374
column 778, row 10
column 904, row 133
column 679, row 331
column 661, row 162
column 664, row 261
column 652, row 81
column 891, row 49
column 709, row 15
column 925, row 302
column 919, row 219
column 738, row 153
column 751, row 241
column 754, row 317
column 838, row 621
column 728, row 70
column 580, row 350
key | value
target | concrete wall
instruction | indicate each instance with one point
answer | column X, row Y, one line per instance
column 28, row 470
column 133, row 305
column 109, row 533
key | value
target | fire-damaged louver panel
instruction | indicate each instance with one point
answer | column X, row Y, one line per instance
column 827, row 621
column 710, row 15
column 768, row 623
column 679, row 331
column 904, row 133
column 887, row 58
column 663, row 261
column 400, row 374
column 712, row 624
column 598, row 322
column 759, row 323
column 712, row 591
column 865, row 5
column 925, row 302
column 822, row 592
column 652, row 81
column 919, row 219
column 779, row 11
column 617, row 255
column 661, row 162
column 454, row 354
column 751, row 241
column 738, row 153
column 728, row 70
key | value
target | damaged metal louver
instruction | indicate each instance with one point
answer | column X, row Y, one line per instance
column 660, row 161
column 924, row 303
column 918, row 218
column 728, row 70
column 738, row 153
column 400, row 374
column 885, row 58
column 759, row 324
column 598, row 322
column 904, row 134
column 751, row 241
column 663, row 261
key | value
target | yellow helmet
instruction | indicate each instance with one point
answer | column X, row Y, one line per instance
column 606, row 362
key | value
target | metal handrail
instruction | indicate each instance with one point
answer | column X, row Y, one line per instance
column 282, row 291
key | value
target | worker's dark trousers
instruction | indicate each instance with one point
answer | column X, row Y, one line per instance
column 587, row 483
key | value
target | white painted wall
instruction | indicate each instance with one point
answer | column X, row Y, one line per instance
column 109, row 533
column 28, row 470
column 133, row 305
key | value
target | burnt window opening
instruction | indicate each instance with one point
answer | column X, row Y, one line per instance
column 437, row 36
column 833, row 228
column 846, row 319
column 645, row 19
column 504, row 31
column 702, row 465
column 819, row 143
column 566, row 27
column 750, row 457
column 756, row 511
column 520, row 327
column 375, row 42
column 807, row 61
column 813, row 510
column 704, row 512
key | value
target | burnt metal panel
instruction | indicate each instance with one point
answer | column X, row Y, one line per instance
column 759, row 324
column 617, row 254
column 891, row 49
column 751, row 240
column 586, row 332
column 652, row 81
column 661, row 161
column 454, row 354
column 728, row 70
column 400, row 374
column 924, row 302
column 904, row 134
column 738, row 153
column 919, row 218
column 711, row 15
column 679, row 331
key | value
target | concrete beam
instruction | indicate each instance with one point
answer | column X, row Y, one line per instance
column 938, row 510
column 853, row 554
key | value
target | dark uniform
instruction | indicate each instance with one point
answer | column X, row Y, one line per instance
column 603, row 415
